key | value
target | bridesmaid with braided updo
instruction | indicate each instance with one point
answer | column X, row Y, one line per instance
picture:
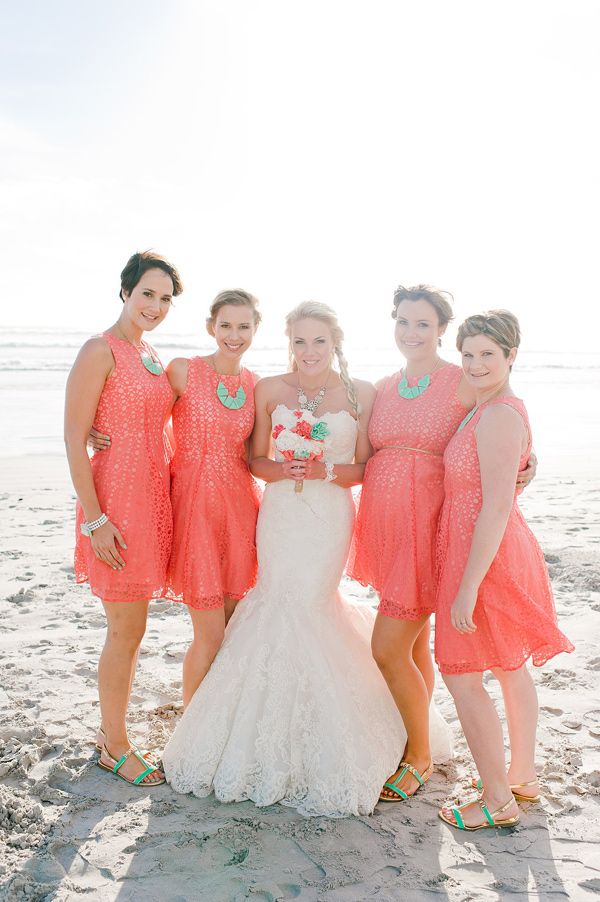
column 416, row 413
column 214, row 496
column 123, row 509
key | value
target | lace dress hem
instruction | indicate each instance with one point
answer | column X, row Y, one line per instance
column 206, row 603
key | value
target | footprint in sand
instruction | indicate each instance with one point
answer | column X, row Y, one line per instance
column 591, row 720
column 593, row 664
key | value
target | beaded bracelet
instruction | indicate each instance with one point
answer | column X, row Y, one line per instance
column 329, row 474
column 88, row 528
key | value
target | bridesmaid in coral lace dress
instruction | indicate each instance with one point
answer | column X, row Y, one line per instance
column 123, row 510
column 214, row 496
column 494, row 607
column 415, row 415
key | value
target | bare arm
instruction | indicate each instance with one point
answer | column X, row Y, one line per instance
column 177, row 374
column 500, row 437
column 84, row 387
column 86, row 380
column 261, row 463
column 466, row 396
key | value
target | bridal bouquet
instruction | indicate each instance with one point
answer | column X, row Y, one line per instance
column 303, row 441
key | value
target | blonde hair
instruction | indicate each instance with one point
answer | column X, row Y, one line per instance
column 324, row 313
column 439, row 300
column 237, row 297
column 501, row 326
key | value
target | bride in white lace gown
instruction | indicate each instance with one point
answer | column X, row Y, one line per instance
column 293, row 708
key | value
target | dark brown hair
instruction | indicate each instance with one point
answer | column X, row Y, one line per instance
column 140, row 263
column 438, row 299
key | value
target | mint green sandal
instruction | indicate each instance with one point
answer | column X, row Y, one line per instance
column 514, row 788
column 490, row 819
column 401, row 796
column 117, row 765
column 101, row 742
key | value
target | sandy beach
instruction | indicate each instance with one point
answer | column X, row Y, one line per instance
column 67, row 830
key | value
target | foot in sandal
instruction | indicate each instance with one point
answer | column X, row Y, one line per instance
column 476, row 814
column 153, row 757
column 405, row 782
column 523, row 792
column 131, row 766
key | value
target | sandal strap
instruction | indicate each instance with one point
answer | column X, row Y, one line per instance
column 491, row 818
column 117, row 765
column 458, row 817
column 395, row 788
column 411, row 770
column 150, row 768
column 522, row 785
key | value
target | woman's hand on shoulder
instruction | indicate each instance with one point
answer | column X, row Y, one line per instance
column 177, row 374
column 524, row 477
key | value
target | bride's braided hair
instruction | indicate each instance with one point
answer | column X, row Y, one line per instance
column 324, row 313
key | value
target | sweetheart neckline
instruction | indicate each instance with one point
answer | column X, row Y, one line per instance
column 332, row 413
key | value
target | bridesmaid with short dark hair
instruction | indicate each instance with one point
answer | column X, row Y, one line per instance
column 123, row 510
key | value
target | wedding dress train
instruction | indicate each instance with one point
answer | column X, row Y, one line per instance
column 294, row 709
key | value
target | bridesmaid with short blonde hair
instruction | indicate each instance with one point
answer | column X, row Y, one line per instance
column 494, row 608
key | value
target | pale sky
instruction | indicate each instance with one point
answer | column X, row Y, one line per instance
column 328, row 149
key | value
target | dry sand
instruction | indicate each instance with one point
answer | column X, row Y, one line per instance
column 68, row 830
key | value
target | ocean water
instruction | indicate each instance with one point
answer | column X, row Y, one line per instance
column 561, row 390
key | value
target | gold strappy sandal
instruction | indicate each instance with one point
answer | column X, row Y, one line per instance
column 491, row 819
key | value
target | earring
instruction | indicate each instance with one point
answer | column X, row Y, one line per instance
column 439, row 342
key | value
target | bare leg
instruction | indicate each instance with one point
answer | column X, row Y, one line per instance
column 422, row 657
column 209, row 629
column 393, row 645
column 126, row 625
column 133, row 670
column 483, row 731
column 230, row 606
column 521, row 705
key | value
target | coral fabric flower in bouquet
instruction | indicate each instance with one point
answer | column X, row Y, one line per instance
column 303, row 441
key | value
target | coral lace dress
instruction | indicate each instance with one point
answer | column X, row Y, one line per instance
column 131, row 480
column 514, row 614
column 214, row 496
column 402, row 493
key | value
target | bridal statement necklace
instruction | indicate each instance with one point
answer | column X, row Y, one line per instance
column 304, row 403
column 231, row 402
column 150, row 361
column 408, row 392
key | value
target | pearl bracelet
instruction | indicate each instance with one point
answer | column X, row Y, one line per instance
column 329, row 474
column 88, row 528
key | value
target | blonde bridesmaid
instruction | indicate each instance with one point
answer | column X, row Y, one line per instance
column 214, row 496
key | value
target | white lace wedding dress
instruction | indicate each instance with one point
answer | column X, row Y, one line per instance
column 294, row 709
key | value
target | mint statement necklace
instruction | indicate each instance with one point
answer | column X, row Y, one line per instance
column 231, row 402
column 151, row 363
column 408, row 392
